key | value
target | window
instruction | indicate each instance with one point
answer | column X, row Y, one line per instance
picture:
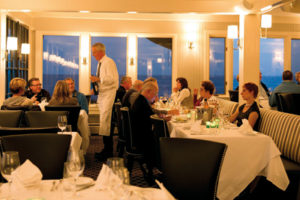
column 155, row 59
column 271, row 61
column 295, row 56
column 16, row 63
column 235, row 63
column 115, row 48
column 217, row 63
column 60, row 60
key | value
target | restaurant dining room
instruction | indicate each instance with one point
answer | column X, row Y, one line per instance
column 140, row 100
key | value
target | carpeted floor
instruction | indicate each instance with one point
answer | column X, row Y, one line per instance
column 93, row 166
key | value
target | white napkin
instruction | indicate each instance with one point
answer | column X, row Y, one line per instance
column 107, row 178
column 246, row 128
column 43, row 104
column 75, row 141
column 27, row 174
column 168, row 195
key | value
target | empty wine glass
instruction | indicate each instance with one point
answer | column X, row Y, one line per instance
column 62, row 122
column 9, row 162
column 75, row 165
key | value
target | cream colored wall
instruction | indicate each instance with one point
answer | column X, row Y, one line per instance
column 2, row 55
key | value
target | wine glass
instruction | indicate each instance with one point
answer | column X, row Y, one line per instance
column 62, row 122
column 75, row 165
column 9, row 162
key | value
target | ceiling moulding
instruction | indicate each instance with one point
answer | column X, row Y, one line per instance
column 144, row 6
column 138, row 16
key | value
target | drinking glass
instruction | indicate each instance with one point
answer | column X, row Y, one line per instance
column 115, row 163
column 75, row 165
column 62, row 122
column 9, row 162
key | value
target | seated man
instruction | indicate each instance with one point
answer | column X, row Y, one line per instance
column 287, row 86
column 80, row 96
column 142, row 127
column 125, row 85
column 132, row 93
column 297, row 77
column 82, row 123
column 35, row 89
column 263, row 89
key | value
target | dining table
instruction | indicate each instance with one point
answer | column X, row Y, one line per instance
column 248, row 155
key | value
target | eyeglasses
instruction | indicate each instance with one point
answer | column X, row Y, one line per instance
column 37, row 85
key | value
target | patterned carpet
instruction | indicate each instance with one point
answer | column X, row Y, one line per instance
column 93, row 166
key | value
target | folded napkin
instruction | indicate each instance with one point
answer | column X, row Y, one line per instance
column 246, row 128
column 43, row 104
column 27, row 174
column 107, row 178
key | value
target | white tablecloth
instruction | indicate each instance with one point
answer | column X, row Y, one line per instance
column 246, row 157
column 44, row 191
column 75, row 141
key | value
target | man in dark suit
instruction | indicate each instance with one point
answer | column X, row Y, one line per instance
column 35, row 89
column 141, row 124
column 132, row 94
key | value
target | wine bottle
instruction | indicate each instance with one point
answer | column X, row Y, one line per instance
column 95, row 88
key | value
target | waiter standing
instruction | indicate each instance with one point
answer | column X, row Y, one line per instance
column 107, row 80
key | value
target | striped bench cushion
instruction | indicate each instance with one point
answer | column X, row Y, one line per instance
column 228, row 107
column 284, row 129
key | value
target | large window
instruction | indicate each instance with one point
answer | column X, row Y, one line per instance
column 217, row 63
column 271, row 61
column 115, row 48
column 155, row 59
column 60, row 60
column 16, row 63
column 235, row 63
column 295, row 56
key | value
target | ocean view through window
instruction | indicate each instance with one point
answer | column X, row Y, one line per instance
column 60, row 60
column 271, row 62
column 295, row 51
column 217, row 63
column 155, row 59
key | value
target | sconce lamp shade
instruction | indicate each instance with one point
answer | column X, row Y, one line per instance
column 266, row 21
column 232, row 32
column 12, row 43
column 25, row 48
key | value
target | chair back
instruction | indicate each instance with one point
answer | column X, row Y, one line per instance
column 27, row 130
column 47, row 151
column 288, row 102
column 191, row 167
column 234, row 95
column 73, row 113
column 10, row 118
column 118, row 116
column 43, row 118
column 127, row 129
column 160, row 129
column 24, row 108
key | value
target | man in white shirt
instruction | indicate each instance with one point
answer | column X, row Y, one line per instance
column 107, row 78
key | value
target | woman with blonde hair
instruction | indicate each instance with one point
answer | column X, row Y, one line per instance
column 61, row 95
column 17, row 88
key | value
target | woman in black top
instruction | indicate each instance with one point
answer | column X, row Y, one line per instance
column 249, row 110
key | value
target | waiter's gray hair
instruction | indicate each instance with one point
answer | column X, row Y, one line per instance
column 99, row 46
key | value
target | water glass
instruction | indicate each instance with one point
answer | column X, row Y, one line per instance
column 115, row 163
column 62, row 122
column 9, row 162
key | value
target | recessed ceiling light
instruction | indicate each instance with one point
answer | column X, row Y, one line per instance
column 84, row 11
column 131, row 12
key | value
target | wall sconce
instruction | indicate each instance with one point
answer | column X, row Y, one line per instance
column 191, row 44
column 266, row 22
column 84, row 60
column 232, row 33
column 25, row 48
column 131, row 61
column 12, row 43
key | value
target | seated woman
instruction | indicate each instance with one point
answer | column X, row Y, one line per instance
column 207, row 89
column 17, row 88
column 249, row 110
column 182, row 94
column 61, row 95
